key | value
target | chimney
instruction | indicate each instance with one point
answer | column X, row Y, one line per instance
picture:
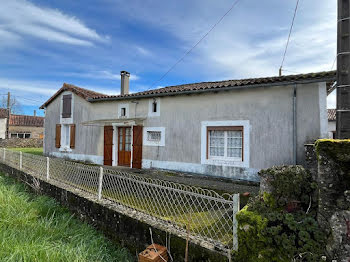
column 34, row 112
column 124, row 85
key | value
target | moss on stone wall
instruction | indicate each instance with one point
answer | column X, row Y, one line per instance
column 269, row 230
column 338, row 150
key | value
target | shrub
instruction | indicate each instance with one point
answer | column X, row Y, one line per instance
column 268, row 232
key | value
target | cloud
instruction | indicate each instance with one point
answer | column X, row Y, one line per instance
column 250, row 40
column 103, row 74
column 19, row 18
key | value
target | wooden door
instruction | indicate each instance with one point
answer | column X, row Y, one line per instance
column 137, row 147
column 124, row 146
column 108, row 145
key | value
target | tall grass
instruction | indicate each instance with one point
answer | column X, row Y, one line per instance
column 37, row 228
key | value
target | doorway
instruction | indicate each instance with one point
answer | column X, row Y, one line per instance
column 124, row 146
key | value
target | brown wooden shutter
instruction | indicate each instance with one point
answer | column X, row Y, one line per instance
column 108, row 146
column 58, row 136
column 137, row 147
column 72, row 136
column 67, row 106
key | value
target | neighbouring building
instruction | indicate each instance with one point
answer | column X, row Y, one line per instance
column 21, row 126
column 229, row 128
column 331, row 123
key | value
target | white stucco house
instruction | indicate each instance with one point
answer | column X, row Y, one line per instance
column 230, row 128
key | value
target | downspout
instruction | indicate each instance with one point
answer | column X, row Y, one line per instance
column 295, row 124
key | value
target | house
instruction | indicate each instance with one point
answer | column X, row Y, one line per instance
column 331, row 123
column 229, row 128
column 21, row 126
column 3, row 123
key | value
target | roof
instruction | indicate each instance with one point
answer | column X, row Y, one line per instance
column 3, row 113
column 92, row 96
column 82, row 92
column 328, row 76
column 332, row 115
column 23, row 120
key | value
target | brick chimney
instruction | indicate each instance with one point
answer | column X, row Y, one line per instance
column 124, row 85
column 34, row 112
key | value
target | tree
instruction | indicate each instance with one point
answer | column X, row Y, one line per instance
column 15, row 105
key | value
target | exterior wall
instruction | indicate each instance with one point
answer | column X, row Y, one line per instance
column 34, row 131
column 3, row 122
column 269, row 112
column 89, row 138
column 331, row 128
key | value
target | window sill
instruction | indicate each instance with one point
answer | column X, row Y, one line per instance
column 65, row 149
column 226, row 162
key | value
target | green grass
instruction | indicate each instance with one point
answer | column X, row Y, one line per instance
column 34, row 151
column 37, row 228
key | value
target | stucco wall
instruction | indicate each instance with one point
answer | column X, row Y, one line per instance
column 3, row 128
column 269, row 112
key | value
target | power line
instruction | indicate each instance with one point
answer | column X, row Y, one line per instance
column 335, row 59
column 290, row 32
column 200, row 40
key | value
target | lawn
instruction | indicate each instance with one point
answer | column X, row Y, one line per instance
column 34, row 151
column 37, row 228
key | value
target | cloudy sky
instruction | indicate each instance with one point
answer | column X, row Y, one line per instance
column 45, row 43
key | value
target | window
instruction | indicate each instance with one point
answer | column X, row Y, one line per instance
column 67, row 106
column 154, row 107
column 123, row 111
column 154, row 136
column 20, row 135
column 65, row 137
column 225, row 142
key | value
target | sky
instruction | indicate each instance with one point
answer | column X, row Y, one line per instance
column 45, row 43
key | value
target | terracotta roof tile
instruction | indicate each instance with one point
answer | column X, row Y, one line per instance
column 331, row 115
column 82, row 92
column 23, row 120
column 222, row 84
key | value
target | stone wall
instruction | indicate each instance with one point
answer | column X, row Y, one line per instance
column 21, row 143
column 128, row 231
column 333, row 177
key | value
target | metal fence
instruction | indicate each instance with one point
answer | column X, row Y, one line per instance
column 199, row 213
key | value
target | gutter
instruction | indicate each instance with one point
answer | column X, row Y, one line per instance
column 218, row 89
column 295, row 124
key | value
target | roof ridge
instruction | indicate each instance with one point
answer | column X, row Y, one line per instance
column 217, row 84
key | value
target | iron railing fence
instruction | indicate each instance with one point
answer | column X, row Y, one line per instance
column 201, row 214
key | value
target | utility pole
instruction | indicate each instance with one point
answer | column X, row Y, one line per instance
column 343, row 70
column 8, row 115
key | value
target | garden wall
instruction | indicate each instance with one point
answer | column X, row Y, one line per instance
column 333, row 179
column 129, row 232
column 21, row 143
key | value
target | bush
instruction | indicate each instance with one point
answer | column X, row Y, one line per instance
column 268, row 231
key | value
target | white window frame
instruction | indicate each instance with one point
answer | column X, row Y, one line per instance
column 126, row 106
column 67, row 121
column 24, row 134
column 65, row 139
column 147, row 142
column 222, row 161
column 225, row 157
column 150, row 107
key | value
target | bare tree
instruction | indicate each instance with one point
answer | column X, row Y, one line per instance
column 15, row 105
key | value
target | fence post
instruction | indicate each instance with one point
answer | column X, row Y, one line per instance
column 20, row 160
column 234, row 222
column 100, row 179
column 47, row 168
